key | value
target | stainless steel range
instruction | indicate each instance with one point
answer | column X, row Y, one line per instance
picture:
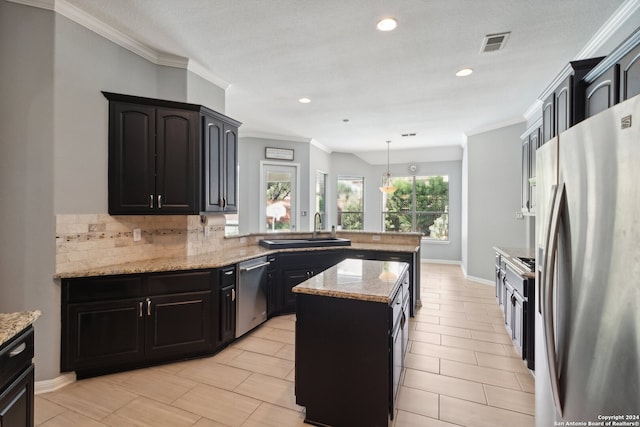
column 528, row 264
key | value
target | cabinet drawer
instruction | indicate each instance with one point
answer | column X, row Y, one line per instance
column 396, row 307
column 227, row 276
column 162, row 284
column 517, row 281
column 16, row 356
column 101, row 288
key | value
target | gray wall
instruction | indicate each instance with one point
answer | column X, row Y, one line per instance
column 251, row 152
column 54, row 143
column 492, row 198
column 26, row 175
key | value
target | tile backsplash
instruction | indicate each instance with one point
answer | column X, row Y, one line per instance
column 92, row 240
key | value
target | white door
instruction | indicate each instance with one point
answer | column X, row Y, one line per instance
column 278, row 197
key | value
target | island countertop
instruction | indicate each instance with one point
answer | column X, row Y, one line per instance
column 12, row 323
column 365, row 280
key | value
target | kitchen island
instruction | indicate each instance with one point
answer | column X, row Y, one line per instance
column 351, row 341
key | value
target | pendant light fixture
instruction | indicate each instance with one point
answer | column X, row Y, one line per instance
column 387, row 186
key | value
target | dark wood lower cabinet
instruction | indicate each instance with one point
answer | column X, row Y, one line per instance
column 16, row 402
column 166, row 317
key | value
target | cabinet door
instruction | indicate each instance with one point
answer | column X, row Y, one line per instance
column 16, row 402
column 524, row 175
column 230, row 188
column 518, row 322
column 508, row 308
column 630, row 74
column 534, row 143
column 131, row 158
column 291, row 278
column 178, row 324
column 220, row 142
column 602, row 93
column 227, row 314
column 104, row 334
column 564, row 106
column 548, row 118
column 177, row 166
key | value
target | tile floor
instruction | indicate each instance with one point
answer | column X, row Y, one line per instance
column 461, row 370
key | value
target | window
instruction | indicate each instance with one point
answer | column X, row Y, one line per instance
column 321, row 193
column 350, row 202
column 421, row 204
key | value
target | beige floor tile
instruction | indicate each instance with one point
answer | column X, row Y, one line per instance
column 268, row 415
column 505, row 398
column 144, row 412
column 423, row 336
column 430, row 306
column 444, row 313
column 418, row 401
column 425, row 318
column 281, row 322
column 270, row 389
column 495, row 321
column 441, row 384
column 258, row 345
column 45, row 410
column 71, row 419
column 472, row 414
column 218, row 405
column 496, row 337
column 512, row 351
column 457, row 307
column 206, row 422
column 288, row 352
column 263, row 364
column 527, row 382
column 94, row 398
column 274, row 334
column 479, row 374
column 407, row 419
column 467, row 324
column 475, row 345
column 215, row 374
column 226, row 355
column 422, row 363
column 443, row 330
column 501, row 362
column 442, row 352
column 154, row 384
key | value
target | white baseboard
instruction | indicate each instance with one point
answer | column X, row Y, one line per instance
column 480, row 280
column 46, row 386
column 441, row 261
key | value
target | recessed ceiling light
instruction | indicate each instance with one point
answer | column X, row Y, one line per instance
column 387, row 24
column 345, row 120
column 304, row 100
column 464, row 72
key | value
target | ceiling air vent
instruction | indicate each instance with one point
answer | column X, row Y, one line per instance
column 494, row 42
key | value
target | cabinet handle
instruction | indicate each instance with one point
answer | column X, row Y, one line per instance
column 148, row 307
column 229, row 273
column 233, row 294
column 140, row 309
column 16, row 351
column 151, row 201
column 221, row 202
column 224, row 202
column 159, row 201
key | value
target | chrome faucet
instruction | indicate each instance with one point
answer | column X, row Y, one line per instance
column 317, row 224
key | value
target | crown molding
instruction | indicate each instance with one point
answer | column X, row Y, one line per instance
column 608, row 29
column 123, row 40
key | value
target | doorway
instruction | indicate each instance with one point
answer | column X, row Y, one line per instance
column 278, row 197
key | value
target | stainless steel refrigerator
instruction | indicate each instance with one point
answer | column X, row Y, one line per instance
column 588, row 271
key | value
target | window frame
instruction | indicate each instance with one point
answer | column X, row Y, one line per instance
column 340, row 214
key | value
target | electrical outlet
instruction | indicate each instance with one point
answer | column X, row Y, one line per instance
column 207, row 231
column 375, row 238
column 137, row 235
column 243, row 240
column 519, row 215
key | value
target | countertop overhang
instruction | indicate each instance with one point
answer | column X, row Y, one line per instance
column 365, row 280
column 509, row 253
column 12, row 323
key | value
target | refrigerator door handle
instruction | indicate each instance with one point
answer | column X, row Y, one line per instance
column 559, row 199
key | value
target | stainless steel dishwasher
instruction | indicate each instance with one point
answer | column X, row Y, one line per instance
column 251, row 304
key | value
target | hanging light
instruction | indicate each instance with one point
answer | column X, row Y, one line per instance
column 387, row 186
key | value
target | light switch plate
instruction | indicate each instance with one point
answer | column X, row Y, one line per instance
column 137, row 235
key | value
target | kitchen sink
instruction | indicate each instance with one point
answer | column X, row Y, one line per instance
column 312, row 242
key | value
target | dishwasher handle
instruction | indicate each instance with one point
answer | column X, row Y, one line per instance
column 253, row 267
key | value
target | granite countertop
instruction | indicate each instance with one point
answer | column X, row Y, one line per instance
column 365, row 280
column 217, row 259
column 12, row 323
column 510, row 253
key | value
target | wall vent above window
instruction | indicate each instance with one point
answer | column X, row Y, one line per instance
column 494, row 42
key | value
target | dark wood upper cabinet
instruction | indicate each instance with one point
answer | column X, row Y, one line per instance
column 602, row 93
column 630, row 74
column 170, row 158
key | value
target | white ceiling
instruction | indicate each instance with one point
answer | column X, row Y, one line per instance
column 274, row 52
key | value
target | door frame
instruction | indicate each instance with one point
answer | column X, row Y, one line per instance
column 263, row 193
